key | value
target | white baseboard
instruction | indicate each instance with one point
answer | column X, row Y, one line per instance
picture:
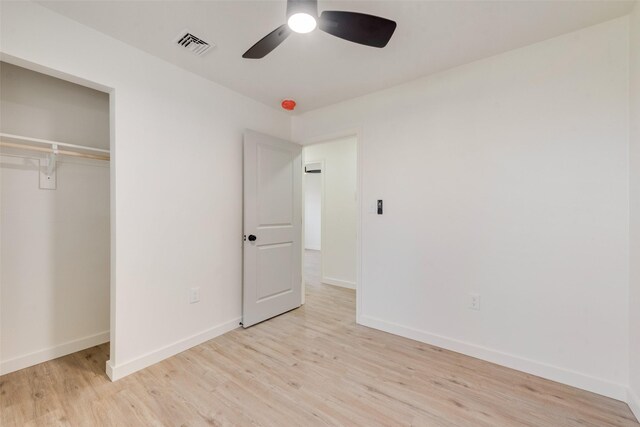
column 51, row 353
column 338, row 282
column 122, row 370
column 633, row 400
column 550, row 372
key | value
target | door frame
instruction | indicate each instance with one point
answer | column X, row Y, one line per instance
column 350, row 132
column 111, row 91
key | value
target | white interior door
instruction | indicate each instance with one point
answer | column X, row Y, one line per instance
column 272, row 227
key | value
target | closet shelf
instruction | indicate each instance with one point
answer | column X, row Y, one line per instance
column 36, row 144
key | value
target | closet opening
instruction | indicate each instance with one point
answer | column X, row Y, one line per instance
column 55, row 218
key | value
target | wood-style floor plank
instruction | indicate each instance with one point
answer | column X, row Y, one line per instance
column 312, row 366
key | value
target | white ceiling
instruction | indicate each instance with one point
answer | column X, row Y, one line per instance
column 318, row 69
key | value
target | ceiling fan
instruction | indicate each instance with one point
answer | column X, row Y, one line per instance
column 302, row 17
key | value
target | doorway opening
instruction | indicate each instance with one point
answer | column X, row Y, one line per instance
column 330, row 215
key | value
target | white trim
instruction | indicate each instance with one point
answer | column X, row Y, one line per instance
column 633, row 400
column 550, row 372
column 43, row 69
column 109, row 370
column 51, row 353
column 113, row 221
column 323, row 213
column 359, row 285
column 338, row 282
column 122, row 370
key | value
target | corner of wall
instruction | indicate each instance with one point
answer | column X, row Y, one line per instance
column 151, row 358
column 634, row 403
column 633, row 397
column 109, row 370
column 50, row 353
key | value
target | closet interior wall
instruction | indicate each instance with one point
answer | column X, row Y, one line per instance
column 54, row 243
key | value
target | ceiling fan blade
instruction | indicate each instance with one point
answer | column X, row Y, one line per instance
column 268, row 43
column 356, row 27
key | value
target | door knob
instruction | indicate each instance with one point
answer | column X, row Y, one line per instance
column 252, row 238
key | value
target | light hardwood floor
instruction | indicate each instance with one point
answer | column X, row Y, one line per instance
column 311, row 366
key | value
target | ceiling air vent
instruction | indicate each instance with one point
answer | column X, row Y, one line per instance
column 193, row 43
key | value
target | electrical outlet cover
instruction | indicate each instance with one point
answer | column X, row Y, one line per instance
column 474, row 301
column 194, row 295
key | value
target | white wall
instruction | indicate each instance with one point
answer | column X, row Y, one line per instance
column 54, row 244
column 40, row 106
column 176, row 182
column 506, row 177
column 339, row 213
column 312, row 211
column 634, row 301
column 55, row 261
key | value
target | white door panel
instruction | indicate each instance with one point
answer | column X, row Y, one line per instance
column 275, row 186
column 274, row 263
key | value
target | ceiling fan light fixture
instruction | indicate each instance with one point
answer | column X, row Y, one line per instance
column 302, row 17
column 302, row 23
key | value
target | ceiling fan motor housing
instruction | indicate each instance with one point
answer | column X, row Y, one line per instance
column 302, row 6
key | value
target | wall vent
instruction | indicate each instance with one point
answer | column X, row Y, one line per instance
column 193, row 43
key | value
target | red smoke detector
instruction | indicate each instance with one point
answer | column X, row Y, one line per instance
column 289, row 104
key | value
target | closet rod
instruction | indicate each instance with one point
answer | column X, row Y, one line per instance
column 23, row 139
column 51, row 150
